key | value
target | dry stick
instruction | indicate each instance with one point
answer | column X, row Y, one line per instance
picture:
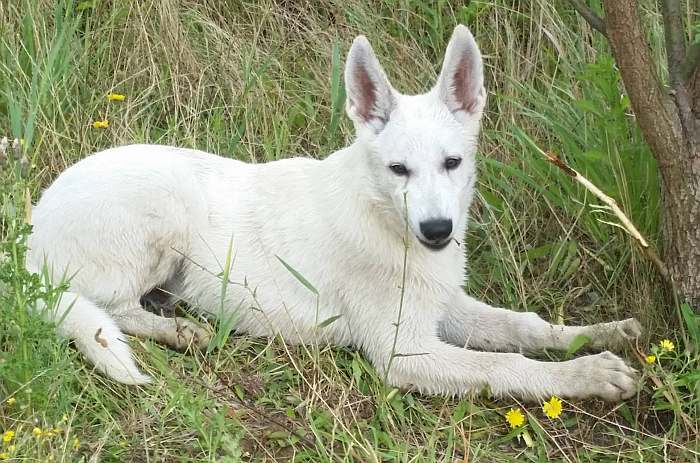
column 403, row 293
column 628, row 226
column 625, row 222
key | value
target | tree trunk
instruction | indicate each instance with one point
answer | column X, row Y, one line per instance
column 667, row 121
column 681, row 226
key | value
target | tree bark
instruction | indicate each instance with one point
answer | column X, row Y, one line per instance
column 667, row 119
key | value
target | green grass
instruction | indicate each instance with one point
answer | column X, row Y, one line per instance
column 260, row 81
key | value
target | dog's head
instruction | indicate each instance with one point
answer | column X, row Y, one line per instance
column 421, row 147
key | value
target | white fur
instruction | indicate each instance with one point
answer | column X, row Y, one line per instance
column 129, row 219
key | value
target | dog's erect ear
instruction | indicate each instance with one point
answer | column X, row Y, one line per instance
column 461, row 82
column 370, row 98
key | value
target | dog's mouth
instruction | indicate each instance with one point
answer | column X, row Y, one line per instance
column 435, row 245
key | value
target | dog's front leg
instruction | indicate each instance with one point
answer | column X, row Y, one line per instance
column 469, row 322
column 417, row 358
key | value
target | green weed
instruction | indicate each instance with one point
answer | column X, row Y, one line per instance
column 262, row 80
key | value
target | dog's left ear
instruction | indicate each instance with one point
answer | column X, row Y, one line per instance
column 461, row 82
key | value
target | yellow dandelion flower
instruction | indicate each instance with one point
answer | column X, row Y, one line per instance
column 7, row 436
column 650, row 359
column 100, row 124
column 4, row 456
column 37, row 432
column 515, row 418
column 115, row 97
column 552, row 408
column 667, row 345
column 76, row 443
column 11, row 401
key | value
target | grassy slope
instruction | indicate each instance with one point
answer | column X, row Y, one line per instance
column 259, row 81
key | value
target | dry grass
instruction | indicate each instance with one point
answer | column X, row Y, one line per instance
column 259, row 81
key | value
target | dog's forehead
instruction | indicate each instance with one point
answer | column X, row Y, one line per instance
column 424, row 106
column 423, row 137
column 419, row 125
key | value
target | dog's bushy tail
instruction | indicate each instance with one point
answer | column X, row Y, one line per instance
column 97, row 336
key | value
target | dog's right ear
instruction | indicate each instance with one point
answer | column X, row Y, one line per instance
column 370, row 97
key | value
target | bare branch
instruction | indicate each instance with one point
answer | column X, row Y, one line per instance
column 595, row 21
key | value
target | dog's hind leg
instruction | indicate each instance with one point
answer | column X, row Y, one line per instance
column 178, row 333
column 472, row 323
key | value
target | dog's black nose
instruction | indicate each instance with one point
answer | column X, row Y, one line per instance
column 436, row 229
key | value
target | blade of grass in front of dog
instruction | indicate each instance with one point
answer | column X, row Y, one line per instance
column 300, row 278
column 224, row 329
column 226, row 272
column 329, row 321
column 226, row 322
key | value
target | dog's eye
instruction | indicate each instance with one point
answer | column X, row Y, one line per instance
column 398, row 169
column 452, row 163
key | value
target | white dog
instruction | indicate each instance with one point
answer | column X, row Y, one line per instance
column 374, row 227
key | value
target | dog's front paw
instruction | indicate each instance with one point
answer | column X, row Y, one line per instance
column 603, row 375
column 614, row 335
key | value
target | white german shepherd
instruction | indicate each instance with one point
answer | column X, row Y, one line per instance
column 127, row 220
